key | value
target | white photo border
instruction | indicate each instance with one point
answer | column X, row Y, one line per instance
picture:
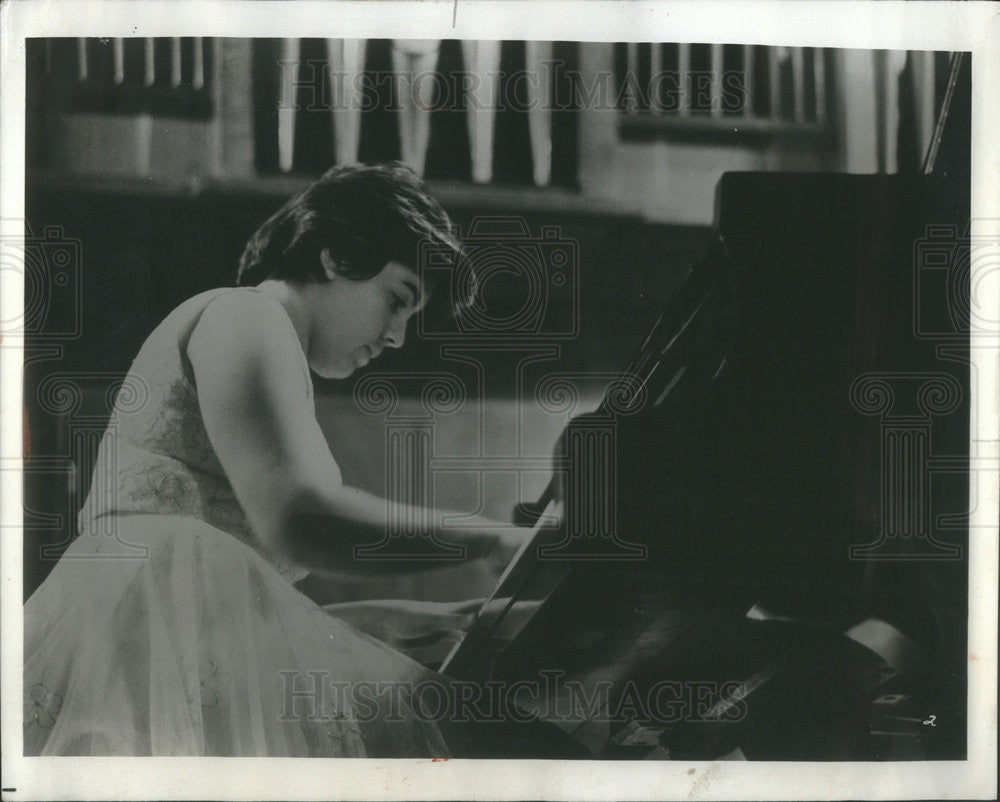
column 972, row 26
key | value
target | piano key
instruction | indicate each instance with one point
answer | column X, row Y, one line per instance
column 175, row 61
column 412, row 58
column 82, row 67
column 717, row 70
column 291, row 69
column 379, row 137
column 483, row 59
column 449, row 154
column 313, row 136
column 346, row 58
column 118, row 54
column 684, row 78
column 149, row 61
column 537, row 55
column 798, row 84
column 512, row 151
column 566, row 116
column 198, row 63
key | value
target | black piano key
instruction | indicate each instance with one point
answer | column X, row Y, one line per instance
column 732, row 67
column 101, row 76
column 449, row 153
column 187, row 61
column 665, row 86
column 131, row 92
column 512, row 137
column 621, row 73
column 700, row 79
column 312, row 148
column 266, row 83
column 64, row 59
column 100, row 61
column 942, row 73
column 162, row 61
column 134, row 57
column 565, row 114
column 761, row 100
column 644, row 68
column 909, row 159
column 379, row 138
column 786, row 89
column 809, row 78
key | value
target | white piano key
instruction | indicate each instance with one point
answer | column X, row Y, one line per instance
column 483, row 59
column 198, row 77
column 118, row 54
column 684, row 78
column 149, row 57
column 923, row 93
column 717, row 65
column 775, row 55
column 347, row 59
column 655, row 68
column 287, row 104
column 412, row 61
column 175, row 61
column 798, row 83
column 819, row 69
column 540, row 109
column 631, row 77
column 81, row 61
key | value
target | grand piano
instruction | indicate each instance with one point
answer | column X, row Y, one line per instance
column 755, row 547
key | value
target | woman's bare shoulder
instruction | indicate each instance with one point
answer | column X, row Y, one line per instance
column 244, row 325
column 238, row 302
column 223, row 307
column 241, row 312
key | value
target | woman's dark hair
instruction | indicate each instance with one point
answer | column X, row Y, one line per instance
column 365, row 216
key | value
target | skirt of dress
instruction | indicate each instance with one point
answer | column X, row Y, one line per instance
column 198, row 646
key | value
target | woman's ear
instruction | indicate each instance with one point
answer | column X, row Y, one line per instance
column 329, row 265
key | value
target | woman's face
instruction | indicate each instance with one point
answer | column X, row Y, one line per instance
column 352, row 322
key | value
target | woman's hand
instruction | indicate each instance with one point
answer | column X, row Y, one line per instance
column 399, row 621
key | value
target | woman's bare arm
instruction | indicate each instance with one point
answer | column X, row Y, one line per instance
column 252, row 390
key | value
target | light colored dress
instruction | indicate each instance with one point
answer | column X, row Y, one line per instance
column 166, row 629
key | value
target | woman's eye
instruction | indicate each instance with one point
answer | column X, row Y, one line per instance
column 397, row 303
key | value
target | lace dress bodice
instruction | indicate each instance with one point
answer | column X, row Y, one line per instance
column 155, row 457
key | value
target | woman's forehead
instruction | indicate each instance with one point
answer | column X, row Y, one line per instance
column 399, row 273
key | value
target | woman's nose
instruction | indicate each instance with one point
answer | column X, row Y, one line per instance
column 395, row 334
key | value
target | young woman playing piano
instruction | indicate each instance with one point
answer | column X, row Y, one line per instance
column 225, row 482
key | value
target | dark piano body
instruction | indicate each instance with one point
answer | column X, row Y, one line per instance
column 735, row 557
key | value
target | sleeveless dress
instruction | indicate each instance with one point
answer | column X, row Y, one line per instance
column 166, row 629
